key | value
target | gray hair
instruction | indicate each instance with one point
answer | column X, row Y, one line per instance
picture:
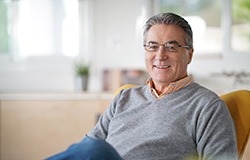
column 170, row 19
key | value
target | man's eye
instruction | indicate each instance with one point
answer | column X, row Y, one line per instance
column 170, row 47
column 153, row 46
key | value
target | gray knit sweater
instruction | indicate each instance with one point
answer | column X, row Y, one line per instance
column 191, row 122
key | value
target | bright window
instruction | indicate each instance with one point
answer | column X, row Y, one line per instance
column 42, row 27
column 4, row 35
column 241, row 26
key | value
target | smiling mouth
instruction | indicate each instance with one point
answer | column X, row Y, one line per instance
column 162, row 67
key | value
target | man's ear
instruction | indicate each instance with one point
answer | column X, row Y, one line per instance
column 191, row 51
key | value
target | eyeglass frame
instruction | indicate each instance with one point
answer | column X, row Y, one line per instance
column 166, row 48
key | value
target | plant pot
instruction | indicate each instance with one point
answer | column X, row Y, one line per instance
column 81, row 83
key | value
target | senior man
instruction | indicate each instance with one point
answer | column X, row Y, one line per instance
column 172, row 117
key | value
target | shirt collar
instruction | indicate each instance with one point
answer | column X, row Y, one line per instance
column 174, row 86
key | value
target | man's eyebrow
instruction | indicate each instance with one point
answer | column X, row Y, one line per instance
column 152, row 42
column 168, row 42
column 172, row 42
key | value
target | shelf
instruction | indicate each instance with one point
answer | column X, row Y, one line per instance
column 57, row 96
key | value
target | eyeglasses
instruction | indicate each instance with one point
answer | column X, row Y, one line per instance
column 171, row 46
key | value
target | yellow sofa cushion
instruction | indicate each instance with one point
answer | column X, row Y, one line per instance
column 238, row 103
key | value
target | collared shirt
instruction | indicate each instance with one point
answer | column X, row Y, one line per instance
column 174, row 86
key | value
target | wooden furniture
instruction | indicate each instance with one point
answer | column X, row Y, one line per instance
column 35, row 126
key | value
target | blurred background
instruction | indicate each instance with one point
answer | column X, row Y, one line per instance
column 62, row 60
column 40, row 40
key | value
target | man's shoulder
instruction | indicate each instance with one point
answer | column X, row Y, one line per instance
column 140, row 91
column 200, row 92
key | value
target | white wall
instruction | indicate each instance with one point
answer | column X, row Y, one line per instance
column 36, row 75
column 214, row 73
column 118, row 35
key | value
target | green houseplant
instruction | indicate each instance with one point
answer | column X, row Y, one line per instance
column 82, row 73
column 81, row 69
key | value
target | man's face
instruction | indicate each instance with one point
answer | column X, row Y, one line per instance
column 164, row 66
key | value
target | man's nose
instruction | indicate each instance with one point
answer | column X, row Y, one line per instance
column 161, row 53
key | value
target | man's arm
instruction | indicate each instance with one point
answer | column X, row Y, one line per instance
column 100, row 131
column 216, row 136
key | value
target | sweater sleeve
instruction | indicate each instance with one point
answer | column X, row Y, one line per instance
column 100, row 131
column 216, row 137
